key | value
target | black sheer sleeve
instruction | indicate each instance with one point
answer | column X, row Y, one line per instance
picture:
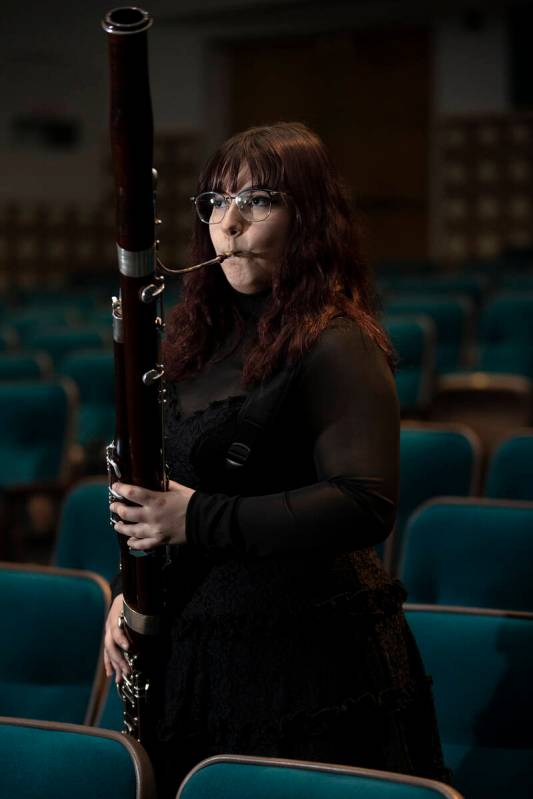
column 347, row 392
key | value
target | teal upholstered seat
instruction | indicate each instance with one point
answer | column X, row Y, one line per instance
column 86, row 540
column 27, row 322
column 80, row 301
column 510, row 474
column 24, row 366
column 58, row 342
column 62, row 761
column 51, row 630
column 475, row 552
column 239, row 777
column 507, row 358
column 434, row 460
column 452, row 317
column 506, row 334
column 93, row 373
column 413, row 338
column 481, row 663
column 36, row 422
column 508, row 317
column 110, row 713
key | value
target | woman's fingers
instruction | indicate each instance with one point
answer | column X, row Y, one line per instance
column 107, row 665
column 134, row 531
column 115, row 642
column 115, row 659
column 128, row 513
column 144, row 543
column 133, row 493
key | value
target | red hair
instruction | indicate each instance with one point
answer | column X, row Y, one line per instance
column 321, row 275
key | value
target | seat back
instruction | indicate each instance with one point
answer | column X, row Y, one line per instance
column 508, row 318
column 434, row 460
column 40, row 759
column 110, row 715
column 57, row 342
column 510, row 474
column 413, row 338
column 452, row 317
column 52, row 631
column 93, row 373
column 240, row 777
column 37, row 421
column 473, row 552
column 86, row 539
column 481, row 663
column 24, row 366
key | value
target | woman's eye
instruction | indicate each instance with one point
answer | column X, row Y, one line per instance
column 260, row 200
column 217, row 202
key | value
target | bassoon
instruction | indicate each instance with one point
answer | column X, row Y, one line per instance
column 136, row 455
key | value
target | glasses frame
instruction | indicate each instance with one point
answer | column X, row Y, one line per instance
column 235, row 197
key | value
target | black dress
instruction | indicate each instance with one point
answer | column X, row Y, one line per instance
column 287, row 636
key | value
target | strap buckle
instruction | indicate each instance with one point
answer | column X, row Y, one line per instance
column 237, row 455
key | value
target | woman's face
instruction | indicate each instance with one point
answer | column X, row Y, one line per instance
column 259, row 246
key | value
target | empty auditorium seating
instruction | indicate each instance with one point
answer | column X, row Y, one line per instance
column 43, row 759
column 86, row 539
column 52, row 630
column 481, row 663
column 510, row 472
column 434, row 460
column 413, row 338
column 475, row 552
column 239, row 777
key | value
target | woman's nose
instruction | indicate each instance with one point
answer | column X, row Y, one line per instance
column 233, row 223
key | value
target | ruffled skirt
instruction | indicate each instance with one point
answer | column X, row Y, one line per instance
column 265, row 664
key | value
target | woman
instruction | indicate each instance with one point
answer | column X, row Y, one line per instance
column 287, row 636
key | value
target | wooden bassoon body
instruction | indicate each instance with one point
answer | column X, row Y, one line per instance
column 136, row 455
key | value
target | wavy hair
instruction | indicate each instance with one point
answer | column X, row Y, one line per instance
column 322, row 274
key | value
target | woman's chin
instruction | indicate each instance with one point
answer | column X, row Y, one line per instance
column 242, row 279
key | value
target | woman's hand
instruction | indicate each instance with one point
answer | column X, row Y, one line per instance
column 157, row 518
column 115, row 642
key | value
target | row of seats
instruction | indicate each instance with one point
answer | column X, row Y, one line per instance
column 62, row 760
column 452, row 551
column 422, row 355
column 38, row 420
column 481, row 662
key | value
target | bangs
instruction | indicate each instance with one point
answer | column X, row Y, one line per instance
column 245, row 150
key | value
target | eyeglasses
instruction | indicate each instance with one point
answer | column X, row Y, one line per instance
column 254, row 205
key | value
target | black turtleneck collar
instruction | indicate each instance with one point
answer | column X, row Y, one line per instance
column 251, row 305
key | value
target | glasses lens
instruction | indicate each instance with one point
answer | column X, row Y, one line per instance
column 253, row 204
column 211, row 207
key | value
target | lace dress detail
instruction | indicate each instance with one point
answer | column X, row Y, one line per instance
column 182, row 435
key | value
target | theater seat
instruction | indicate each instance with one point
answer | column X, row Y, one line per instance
column 86, row 539
column 510, row 473
column 481, row 662
column 474, row 552
column 51, row 628
column 434, row 460
column 43, row 759
column 413, row 338
column 240, row 777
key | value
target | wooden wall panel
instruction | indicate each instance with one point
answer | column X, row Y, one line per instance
column 368, row 95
